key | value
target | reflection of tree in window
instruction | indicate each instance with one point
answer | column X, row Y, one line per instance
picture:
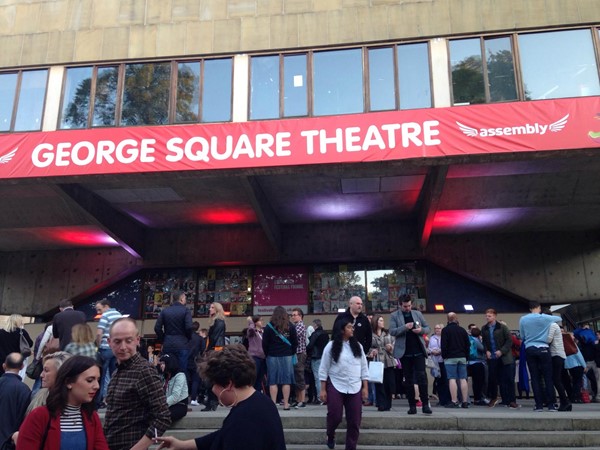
column 187, row 93
column 76, row 114
column 146, row 94
column 501, row 76
column 105, row 98
column 467, row 81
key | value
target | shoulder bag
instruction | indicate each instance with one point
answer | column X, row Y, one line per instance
column 284, row 339
column 34, row 370
column 24, row 347
column 569, row 344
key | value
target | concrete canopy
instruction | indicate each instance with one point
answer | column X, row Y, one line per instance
column 507, row 221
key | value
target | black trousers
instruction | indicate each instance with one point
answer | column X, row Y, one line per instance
column 414, row 373
column 385, row 390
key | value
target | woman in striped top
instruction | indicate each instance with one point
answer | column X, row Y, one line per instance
column 68, row 420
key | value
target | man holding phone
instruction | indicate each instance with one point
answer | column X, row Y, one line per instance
column 409, row 326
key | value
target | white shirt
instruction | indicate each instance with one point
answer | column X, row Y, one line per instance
column 347, row 374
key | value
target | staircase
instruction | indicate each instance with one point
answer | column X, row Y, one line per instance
column 473, row 428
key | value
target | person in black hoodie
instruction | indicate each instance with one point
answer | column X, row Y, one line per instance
column 455, row 351
column 317, row 342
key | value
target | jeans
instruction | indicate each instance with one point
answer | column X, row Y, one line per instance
column 109, row 364
column 180, row 354
column 315, row 364
column 539, row 363
column 261, row 371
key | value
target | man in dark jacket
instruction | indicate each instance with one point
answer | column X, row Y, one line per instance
column 497, row 342
column 64, row 321
column 362, row 327
column 174, row 329
column 455, row 351
column 317, row 342
column 14, row 397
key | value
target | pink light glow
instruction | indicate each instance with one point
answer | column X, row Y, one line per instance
column 76, row 236
column 453, row 221
column 226, row 216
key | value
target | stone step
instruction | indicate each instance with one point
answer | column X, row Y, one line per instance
column 386, row 438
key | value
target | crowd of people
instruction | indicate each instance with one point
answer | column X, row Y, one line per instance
column 283, row 363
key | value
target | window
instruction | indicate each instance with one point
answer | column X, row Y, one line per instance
column 76, row 98
column 264, row 87
column 558, row 64
column 338, row 82
column 382, row 89
column 414, row 78
column 146, row 94
column 22, row 97
column 476, row 79
column 217, row 90
column 380, row 285
column 8, row 90
column 187, row 107
column 105, row 97
column 295, row 89
column 467, row 72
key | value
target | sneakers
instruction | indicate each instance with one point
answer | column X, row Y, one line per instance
column 300, row 405
column 465, row 405
column 538, row 409
column 493, row 403
column 513, row 405
column 294, row 404
column 419, row 403
column 412, row 410
column 330, row 441
column 426, row 409
column 194, row 403
column 452, row 405
column 552, row 408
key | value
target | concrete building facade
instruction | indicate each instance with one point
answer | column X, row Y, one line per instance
column 549, row 249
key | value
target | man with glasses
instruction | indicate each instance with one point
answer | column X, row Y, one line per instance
column 409, row 326
column 174, row 329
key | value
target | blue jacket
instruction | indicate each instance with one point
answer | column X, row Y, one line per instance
column 174, row 327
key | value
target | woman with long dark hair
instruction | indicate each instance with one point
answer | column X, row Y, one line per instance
column 68, row 420
column 176, row 388
column 344, row 382
column 279, row 344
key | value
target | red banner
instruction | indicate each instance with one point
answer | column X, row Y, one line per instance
column 508, row 127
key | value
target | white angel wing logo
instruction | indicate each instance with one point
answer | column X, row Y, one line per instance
column 6, row 158
column 559, row 124
column 469, row 131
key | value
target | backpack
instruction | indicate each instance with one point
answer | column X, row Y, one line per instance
column 473, row 353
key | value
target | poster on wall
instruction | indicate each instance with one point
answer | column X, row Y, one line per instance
column 285, row 286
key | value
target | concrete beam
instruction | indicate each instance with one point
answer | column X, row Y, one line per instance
column 128, row 233
column 267, row 217
column 430, row 200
